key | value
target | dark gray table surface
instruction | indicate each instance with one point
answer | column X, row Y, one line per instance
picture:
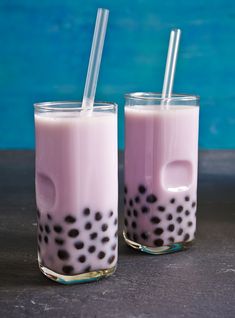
column 199, row 282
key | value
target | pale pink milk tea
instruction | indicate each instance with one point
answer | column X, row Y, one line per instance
column 161, row 154
column 76, row 190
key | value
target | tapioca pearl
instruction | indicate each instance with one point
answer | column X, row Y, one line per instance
column 142, row 189
column 79, row 245
column 111, row 259
column 87, row 269
column 70, row 219
column 101, row 255
column 130, row 202
column 129, row 212
column 38, row 214
column 171, row 228
column 125, row 222
column 135, row 213
column 110, row 214
column 49, row 217
column 63, row 254
column 155, row 220
column 124, row 201
column 93, row 236
column 187, row 212
column 161, row 208
column 193, row 204
column 116, row 234
column 128, row 235
column 105, row 239
column 98, row 216
column 158, row 242
column 58, row 228
column 40, row 238
column 73, row 233
column 47, row 229
column 158, row 231
column 179, row 208
column 86, row 211
column 172, row 201
column 190, row 223
column 144, row 236
column 67, row 269
column 145, row 209
column 171, row 239
column 187, row 198
column 179, row 220
column 88, row 226
column 104, row 227
column 46, row 239
column 125, row 189
column 91, row 249
column 135, row 237
column 41, row 227
column 134, row 225
column 115, row 221
column 137, row 199
column 169, row 217
column 151, row 198
column 59, row 241
column 180, row 232
column 82, row 259
column 113, row 247
column 186, row 237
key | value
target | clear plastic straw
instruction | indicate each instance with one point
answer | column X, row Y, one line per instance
column 95, row 58
column 170, row 66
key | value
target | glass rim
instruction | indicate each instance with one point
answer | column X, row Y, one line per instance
column 158, row 96
column 75, row 105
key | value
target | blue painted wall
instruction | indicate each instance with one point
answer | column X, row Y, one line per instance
column 45, row 47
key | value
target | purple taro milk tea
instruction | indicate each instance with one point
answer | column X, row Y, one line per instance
column 76, row 190
column 161, row 158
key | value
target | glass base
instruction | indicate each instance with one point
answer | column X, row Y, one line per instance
column 171, row 248
column 79, row 278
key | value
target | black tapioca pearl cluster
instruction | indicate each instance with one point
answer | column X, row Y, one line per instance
column 67, row 233
column 176, row 212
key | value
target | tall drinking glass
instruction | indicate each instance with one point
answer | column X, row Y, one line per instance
column 161, row 159
column 76, row 190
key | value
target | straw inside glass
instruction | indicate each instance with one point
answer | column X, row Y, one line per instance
column 95, row 58
column 170, row 67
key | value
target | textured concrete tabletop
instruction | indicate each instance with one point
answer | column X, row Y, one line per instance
column 199, row 282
